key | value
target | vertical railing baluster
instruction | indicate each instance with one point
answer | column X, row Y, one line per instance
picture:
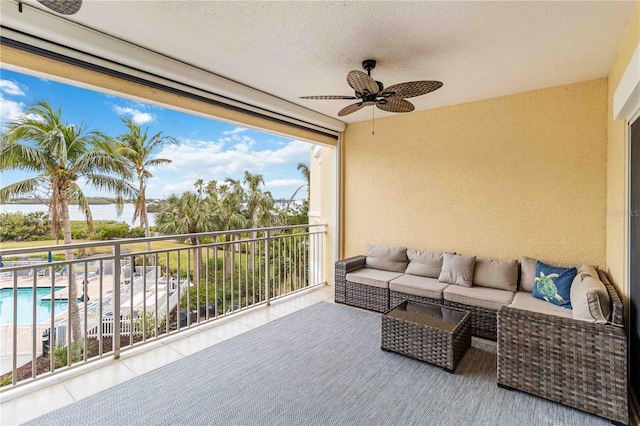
column 34, row 329
column 52, row 366
column 14, row 354
column 100, row 308
column 246, row 274
column 259, row 256
column 116, row 300
column 72, row 276
column 179, row 280
column 233, row 269
column 190, row 263
column 85, row 296
column 267, row 291
column 132, row 267
column 224, row 278
column 166, row 293
column 253, row 272
column 144, row 298
column 206, row 284
column 215, row 275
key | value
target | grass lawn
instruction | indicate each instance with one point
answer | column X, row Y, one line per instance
column 175, row 248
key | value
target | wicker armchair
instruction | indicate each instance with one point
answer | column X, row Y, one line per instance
column 575, row 363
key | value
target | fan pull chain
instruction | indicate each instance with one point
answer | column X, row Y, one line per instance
column 373, row 121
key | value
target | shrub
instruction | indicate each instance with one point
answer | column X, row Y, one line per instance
column 60, row 353
column 151, row 323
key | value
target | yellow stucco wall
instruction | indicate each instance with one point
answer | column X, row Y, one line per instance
column 523, row 174
column 617, row 162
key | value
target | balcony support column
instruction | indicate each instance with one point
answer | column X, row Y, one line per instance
column 116, row 301
column 267, row 269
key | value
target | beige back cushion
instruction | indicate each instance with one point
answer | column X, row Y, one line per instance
column 590, row 299
column 457, row 269
column 527, row 273
column 386, row 258
column 496, row 273
column 425, row 263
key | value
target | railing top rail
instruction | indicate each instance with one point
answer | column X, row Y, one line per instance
column 125, row 241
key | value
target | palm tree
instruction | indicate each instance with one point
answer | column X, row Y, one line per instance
column 259, row 206
column 306, row 173
column 186, row 214
column 199, row 185
column 229, row 206
column 62, row 154
column 138, row 149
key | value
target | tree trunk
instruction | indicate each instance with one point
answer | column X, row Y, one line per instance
column 197, row 260
column 144, row 219
column 74, row 312
column 254, row 235
column 227, row 255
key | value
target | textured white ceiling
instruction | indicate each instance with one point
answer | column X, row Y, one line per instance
column 291, row 49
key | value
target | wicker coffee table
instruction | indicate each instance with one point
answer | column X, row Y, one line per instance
column 439, row 335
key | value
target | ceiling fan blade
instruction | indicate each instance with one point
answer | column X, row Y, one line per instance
column 362, row 83
column 412, row 88
column 328, row 97
column 65, row 7
column 349, row 109
column 394, row 104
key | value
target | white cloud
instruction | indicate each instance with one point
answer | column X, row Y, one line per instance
column 9, row 109
column 10, row 88
column 137, row 116
column 235, row 131
column 211, row 161
column 181, row 186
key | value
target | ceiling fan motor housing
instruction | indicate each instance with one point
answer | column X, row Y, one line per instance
column 369, row 64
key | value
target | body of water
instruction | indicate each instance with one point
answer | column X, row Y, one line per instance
column 99, row 211
column 25, row 305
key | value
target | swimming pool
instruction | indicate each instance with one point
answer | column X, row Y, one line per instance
column 25, row 305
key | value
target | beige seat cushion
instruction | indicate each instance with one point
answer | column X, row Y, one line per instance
column 482, row 297
column 524, row 300
column 418, row 286
column 387, row 258
column 372, row 277
column 496, row 273
column 425, row 263
column 589, row 299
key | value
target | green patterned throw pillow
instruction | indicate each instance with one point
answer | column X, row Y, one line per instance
column 553, row 284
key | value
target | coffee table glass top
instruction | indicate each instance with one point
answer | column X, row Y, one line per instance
column 431, row 315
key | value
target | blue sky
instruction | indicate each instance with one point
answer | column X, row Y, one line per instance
column 208, row 150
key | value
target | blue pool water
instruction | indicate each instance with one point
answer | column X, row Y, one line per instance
column 25, row 305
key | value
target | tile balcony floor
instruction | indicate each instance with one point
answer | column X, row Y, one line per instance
column 35, row 399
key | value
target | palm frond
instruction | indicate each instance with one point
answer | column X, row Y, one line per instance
column 75, row 193
column 109, row 183
column 22, row 187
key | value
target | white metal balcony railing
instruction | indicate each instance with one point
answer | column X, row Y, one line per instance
column 128, row 296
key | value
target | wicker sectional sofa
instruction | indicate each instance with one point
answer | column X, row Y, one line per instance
column 542, row 349
column 360, row 283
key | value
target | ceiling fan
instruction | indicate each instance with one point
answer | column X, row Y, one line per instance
column 65, row 7
column 372, row 92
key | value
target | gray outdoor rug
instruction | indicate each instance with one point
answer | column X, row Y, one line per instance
column 318, row 366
